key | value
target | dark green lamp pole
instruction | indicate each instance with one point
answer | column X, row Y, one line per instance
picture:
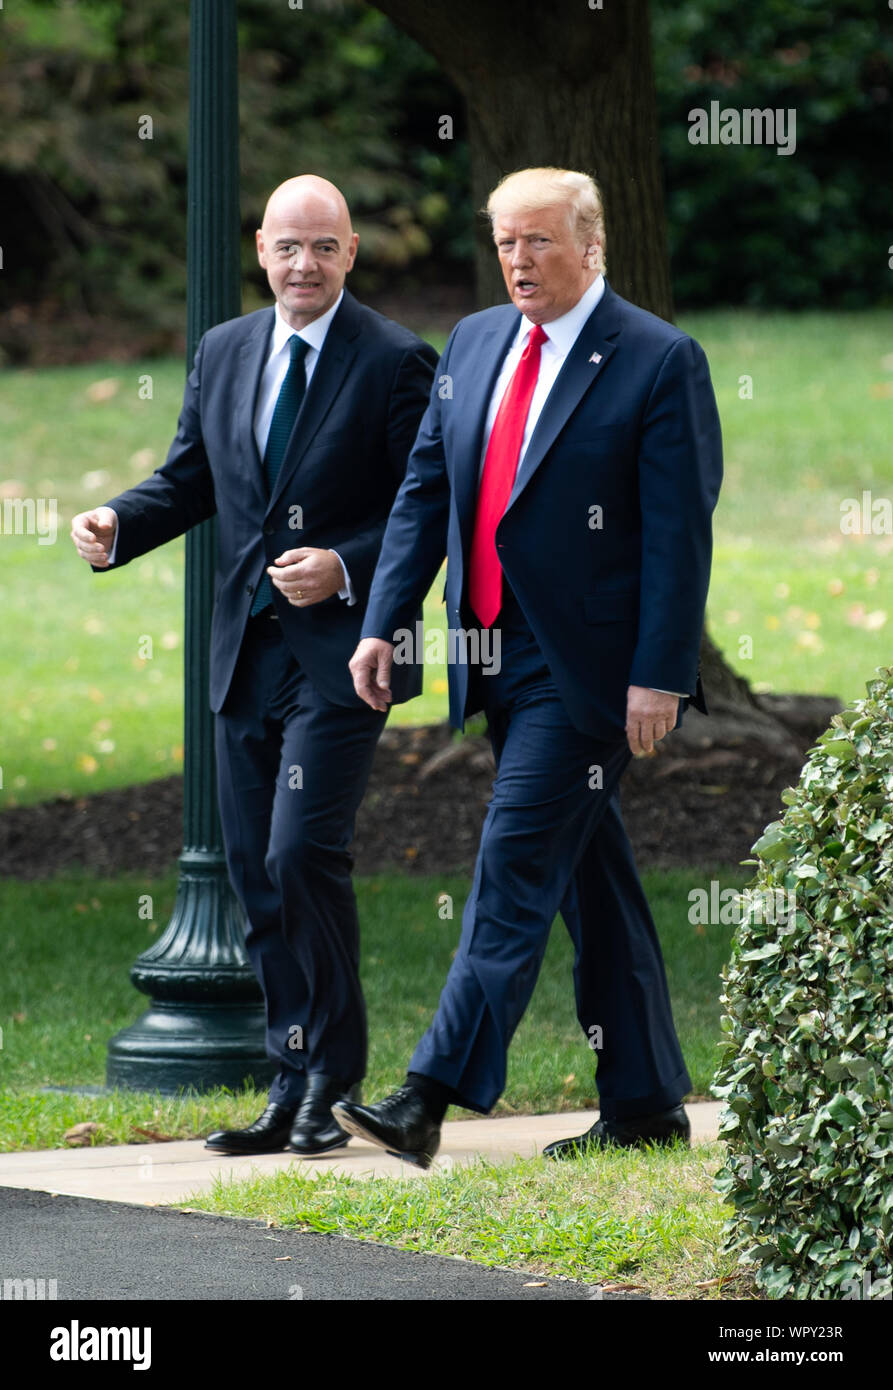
column 204, row 1027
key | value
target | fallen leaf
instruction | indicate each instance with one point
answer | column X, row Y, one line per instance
column 153, row 1134
column 79, row 1136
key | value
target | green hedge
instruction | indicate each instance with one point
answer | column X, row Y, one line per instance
column 806, row 1068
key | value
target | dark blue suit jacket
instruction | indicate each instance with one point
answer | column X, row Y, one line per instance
column 345, row 461
column 631, row 427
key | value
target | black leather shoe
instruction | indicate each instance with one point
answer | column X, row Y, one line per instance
column 314, row 1131
column 399, row 1123
column 665, row 1127
column 267, row 1135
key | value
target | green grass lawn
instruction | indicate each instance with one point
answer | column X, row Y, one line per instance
column 67, row 944
column 649, row 1221
column 795, row 604
column 817, row 605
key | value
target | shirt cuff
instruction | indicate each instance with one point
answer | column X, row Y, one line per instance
column 347, row 590
column 114, row 548
column 680, row 694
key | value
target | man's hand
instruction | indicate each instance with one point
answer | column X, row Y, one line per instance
column 649, row 715
column 370, row 667
column 93, row 534
column 306, row 575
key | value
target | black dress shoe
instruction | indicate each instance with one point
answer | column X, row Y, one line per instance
column 313, row 1130
column 665, row 1127
column 400, row 1123
column 267, row 1135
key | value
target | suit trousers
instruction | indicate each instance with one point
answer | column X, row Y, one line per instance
column 553, row 840
column 292, row 769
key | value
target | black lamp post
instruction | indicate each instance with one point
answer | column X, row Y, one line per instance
column 204, row 1027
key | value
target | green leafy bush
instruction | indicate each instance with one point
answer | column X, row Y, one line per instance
column 806, row 1067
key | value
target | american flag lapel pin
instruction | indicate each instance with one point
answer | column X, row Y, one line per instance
column 596, row 358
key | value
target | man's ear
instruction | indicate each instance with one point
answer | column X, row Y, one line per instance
column 261, row 253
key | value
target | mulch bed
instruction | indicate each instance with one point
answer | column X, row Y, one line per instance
column 691, row 805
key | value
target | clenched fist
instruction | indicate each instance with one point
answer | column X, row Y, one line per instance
column 650, row 716
column 93, row 534
column 306, row 575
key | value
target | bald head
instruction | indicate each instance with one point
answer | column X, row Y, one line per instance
column 304, row 193
column 307, row 245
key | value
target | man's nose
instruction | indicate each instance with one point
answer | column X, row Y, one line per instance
column 520, row 254
column 304, row 259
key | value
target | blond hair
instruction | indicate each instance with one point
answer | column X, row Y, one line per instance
column 528, row 189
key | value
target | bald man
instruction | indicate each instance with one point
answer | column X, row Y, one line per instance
column 296, row 426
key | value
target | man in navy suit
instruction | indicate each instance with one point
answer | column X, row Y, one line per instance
column 568, row 464
column 295, row 429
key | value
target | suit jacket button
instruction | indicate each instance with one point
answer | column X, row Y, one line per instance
column 249, row 588
column 269, row 530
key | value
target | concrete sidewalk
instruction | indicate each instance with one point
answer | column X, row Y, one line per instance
column 155, row 1174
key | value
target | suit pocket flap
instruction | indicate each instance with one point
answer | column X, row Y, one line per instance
column 612, row 606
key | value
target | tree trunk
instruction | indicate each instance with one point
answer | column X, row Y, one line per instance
column 575, row 90
column 588, row 103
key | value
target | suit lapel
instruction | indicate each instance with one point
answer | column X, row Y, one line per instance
column 482, row 370
column 583, row 365
column 252, row 358
column 338, row 352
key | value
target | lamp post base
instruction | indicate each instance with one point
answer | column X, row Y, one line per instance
column 172, row 1048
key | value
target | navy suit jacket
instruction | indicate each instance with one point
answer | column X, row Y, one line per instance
column 345, row 461
column 614, row 597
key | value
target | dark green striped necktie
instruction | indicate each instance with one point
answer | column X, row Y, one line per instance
column 288, row 403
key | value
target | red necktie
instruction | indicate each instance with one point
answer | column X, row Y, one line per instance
column 497, row 479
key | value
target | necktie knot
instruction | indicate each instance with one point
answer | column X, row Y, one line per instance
column 538, row 335
column 297, row 348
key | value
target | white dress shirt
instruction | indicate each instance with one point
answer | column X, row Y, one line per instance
column 272, row 377
column 561, row 335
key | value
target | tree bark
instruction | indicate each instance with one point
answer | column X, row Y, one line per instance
column 587, row 102
column 575, row 88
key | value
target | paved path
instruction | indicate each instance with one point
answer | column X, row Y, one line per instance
column 108, row 1250
column 95, row 1221
column 154, row 1174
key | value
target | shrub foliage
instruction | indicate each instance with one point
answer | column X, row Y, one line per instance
column 806, row 1067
